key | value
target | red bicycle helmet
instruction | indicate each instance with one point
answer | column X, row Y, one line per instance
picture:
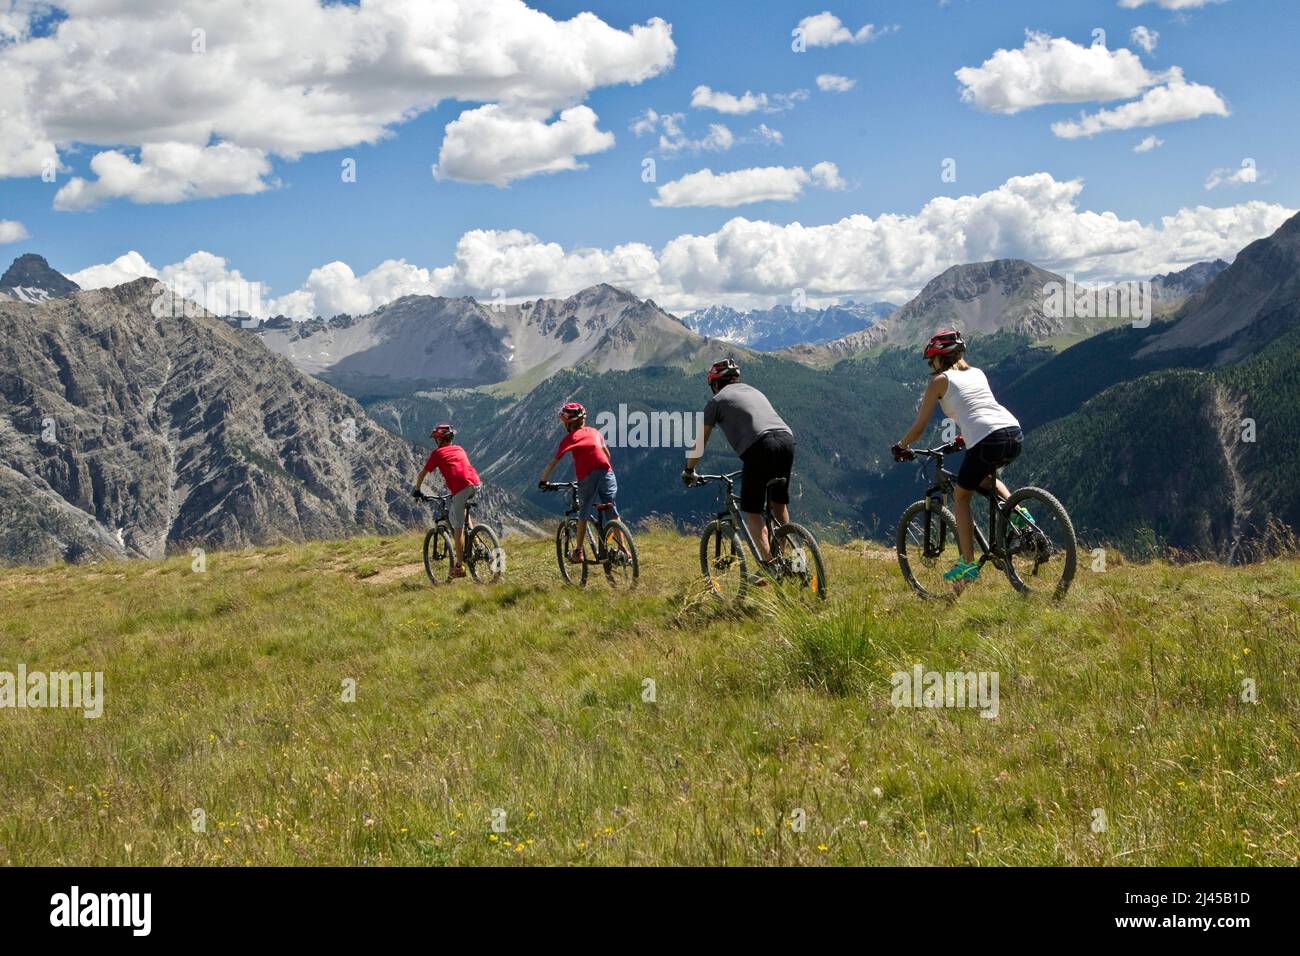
column 573, row 412
column 443, row 430
column 948, row 342
column 725, row 371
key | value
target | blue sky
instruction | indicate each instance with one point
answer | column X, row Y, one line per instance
column 887, row 137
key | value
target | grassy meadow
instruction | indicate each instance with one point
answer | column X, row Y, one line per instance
column 225, row 694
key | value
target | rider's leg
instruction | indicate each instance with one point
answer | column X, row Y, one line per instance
column 458, row 535
column 1003, row 491
column 758, row 531
column 582, row 535
column 965, row 523
column 781, row 512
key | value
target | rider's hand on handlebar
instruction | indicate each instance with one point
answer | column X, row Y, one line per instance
column 544, row 485
column 689, row 478
column 902, row 454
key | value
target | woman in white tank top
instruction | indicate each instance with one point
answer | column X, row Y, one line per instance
column 992, row 435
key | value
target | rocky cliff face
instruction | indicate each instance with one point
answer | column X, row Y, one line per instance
column 128, row 428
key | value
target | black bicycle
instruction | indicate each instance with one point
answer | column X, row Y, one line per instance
column 484, row 559
column 1030, row 536
column 796, row 568
column 609, row 543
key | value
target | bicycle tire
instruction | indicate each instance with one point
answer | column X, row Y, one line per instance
column 719, row 563
column 438, row 547
column 916, row 553
column 624, row 557
column 483, row 555
column 1069, row 547
column 812, row 574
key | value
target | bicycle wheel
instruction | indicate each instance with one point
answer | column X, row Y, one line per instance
column 621, row 565
column 1042, row 551
column 438, row 549
column 925, row 556
column 566, row 536
column 483, row 555
column 722, row 561
column 797, row 565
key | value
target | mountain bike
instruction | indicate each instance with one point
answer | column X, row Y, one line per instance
column 609, row 543
column 796, row 569
column 484, row 559
column 1030, row 535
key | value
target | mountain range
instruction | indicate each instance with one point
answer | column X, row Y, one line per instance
column 421, row 341
column 30, row 279
column 767, row 330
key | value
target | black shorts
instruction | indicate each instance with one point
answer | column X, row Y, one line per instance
column 986, row 456
column 771, row 456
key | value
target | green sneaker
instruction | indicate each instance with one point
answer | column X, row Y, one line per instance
column 1021, row 518
column 963, row 571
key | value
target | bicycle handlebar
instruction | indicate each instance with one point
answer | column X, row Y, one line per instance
column 957, row 444
column 705, row 479
column 559, row 485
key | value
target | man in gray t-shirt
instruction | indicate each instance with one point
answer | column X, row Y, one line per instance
column 760, row 437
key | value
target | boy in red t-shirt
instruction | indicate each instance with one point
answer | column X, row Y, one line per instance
column 462, row 484
column 596, row 484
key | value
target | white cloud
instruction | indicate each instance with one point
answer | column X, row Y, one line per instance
column 495, row 144
column 743, row 186
column 1144, row 37
column 833, row 83
column 705, row 98
column 768, row 136
column 124, row 268
column 825, row 29
column 748, row 263
column 1169, row 4
column 673, row 138
column 1171, row 102
column 168, row 173
column 12, row 231
column 1148, row 144
column 1243, row 175
column 1052, row 70
column 302, row 76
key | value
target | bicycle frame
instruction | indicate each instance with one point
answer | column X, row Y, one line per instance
column 940, row 493
column 733, row 514
column 572, row 512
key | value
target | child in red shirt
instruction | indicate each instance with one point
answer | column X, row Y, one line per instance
column 591, row 466
column 462, row 484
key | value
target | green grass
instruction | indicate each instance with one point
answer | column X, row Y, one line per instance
column 223, row 692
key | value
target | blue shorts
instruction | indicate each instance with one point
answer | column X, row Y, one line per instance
column 599, row 487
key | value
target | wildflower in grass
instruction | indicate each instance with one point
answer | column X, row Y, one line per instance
column 758, row 831
column 609, row 830
column 492, row 838
column 822, row 847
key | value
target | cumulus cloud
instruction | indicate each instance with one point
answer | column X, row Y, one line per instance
column 753, row 263
column 168, row 173
column 493, row 144
column 1056, row 70
column 1168, row 103
column 12, row 231
column 303, row 76
column 1243, row 175
column 1144, row 37
column 1052, row 70
column 825, row 29
column 743, row 186
column 833, row 83
column 673, row 138
column 1148, row 144
column 705, row 98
